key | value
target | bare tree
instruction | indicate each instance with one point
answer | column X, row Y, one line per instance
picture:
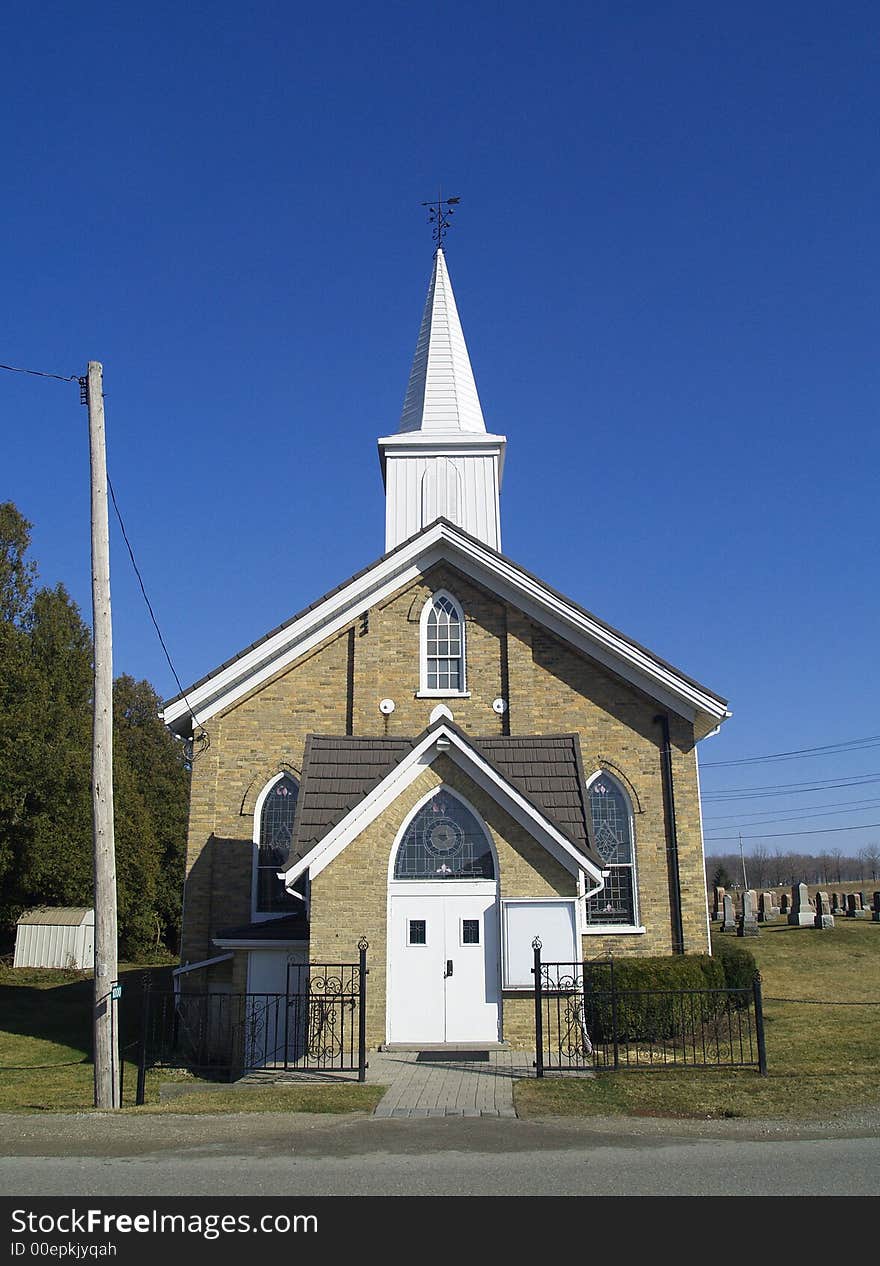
column 759, row 866
column 870, row 859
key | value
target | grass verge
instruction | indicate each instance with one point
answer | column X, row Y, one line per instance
column 822, row 1059
column 45, row 1062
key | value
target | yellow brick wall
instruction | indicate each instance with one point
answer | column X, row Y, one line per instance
column 550, row 688
column 349, row 898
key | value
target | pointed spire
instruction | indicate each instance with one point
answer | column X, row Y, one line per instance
column 441, row 395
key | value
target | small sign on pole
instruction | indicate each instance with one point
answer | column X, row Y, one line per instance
column 116, row 991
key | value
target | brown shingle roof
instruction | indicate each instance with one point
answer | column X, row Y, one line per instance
column 339, row 772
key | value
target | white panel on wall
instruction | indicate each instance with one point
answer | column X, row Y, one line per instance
column 553, row 919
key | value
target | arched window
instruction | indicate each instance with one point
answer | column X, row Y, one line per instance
column 444, row 840
column 442, row 646
column 612, row 831
column 273, row 846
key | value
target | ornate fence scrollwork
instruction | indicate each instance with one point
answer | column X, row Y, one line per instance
column 318, row 1025
column 584, row 1020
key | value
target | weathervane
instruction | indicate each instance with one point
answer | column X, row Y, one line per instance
column 440, row 213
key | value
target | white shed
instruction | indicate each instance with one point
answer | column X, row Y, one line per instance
column 59, row 937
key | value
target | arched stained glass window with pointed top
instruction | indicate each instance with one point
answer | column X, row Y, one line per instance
column 612, row 832
column 276, row 828
column 444, row 840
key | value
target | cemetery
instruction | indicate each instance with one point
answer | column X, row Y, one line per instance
column 818, row 953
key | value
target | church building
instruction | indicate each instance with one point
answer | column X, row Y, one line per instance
column 443, row 756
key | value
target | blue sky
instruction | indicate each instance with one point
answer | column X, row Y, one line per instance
column 665, row 263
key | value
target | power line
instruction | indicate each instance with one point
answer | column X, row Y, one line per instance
column 152, row 613
column 779, row 834
column 787, row 789
column 810, row 813
column 40, row 373
column 845, row 745
column 799, row 817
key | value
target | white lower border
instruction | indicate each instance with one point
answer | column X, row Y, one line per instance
column 613, row 930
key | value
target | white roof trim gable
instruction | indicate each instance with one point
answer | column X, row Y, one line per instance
column 406, row 772
column 442, row 541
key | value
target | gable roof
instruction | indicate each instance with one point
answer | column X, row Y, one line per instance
column 338, row 772
column 348, row 782
column 443, row 541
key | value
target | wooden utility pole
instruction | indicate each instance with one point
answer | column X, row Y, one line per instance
column 106, row 1035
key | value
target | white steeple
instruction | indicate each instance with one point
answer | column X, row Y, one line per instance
column 442, row 394
column 442, row 463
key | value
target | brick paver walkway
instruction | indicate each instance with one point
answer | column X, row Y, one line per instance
column 449, row 1088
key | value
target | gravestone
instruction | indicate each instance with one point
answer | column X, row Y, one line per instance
column 748, row 924
column 718, row 904
column 823, row 917
column 875, row 910
column 783, row 903
column 835, row 903
column 728, row 922
column 853, row 907
column 801, row 914
column 766, row 908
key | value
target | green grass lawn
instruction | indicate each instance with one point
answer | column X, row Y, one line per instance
column 45, row 1062
column 821, row 1059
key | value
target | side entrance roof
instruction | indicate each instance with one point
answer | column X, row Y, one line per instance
column 348, row 782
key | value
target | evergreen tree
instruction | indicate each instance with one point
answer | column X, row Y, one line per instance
column 721, row 877
column 45, row 766
column 145, row 753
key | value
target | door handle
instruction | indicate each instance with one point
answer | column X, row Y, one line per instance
column 448, row 971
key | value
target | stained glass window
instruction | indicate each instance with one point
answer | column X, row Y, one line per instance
column 444, row 646
column 276, row 826
column 444, row 841
column 612, row 833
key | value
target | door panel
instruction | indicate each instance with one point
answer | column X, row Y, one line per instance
column 416, row 970
column 472, row 991
column 428, row 936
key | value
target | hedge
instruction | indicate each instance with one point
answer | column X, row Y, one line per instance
column 738, row 962
column 651, row 1000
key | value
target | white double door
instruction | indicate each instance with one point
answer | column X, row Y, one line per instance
column 444, row 968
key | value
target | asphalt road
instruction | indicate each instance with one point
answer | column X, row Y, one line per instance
column 277, row 1154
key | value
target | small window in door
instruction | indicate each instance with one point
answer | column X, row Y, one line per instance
column 418, row 932
column 470, row 931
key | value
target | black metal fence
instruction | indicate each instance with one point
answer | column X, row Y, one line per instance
column 317, row 1025
column 583, row 1020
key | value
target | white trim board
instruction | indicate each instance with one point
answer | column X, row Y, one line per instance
column 441, row 541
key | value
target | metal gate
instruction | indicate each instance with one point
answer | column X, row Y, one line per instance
column 314, row 1025
column 318, row 1025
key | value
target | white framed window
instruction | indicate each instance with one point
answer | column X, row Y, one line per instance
column 443, row 668
column 273, row 829
column 469, row 932
column 616, row 906
column 554, row 920
column 417, row 932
